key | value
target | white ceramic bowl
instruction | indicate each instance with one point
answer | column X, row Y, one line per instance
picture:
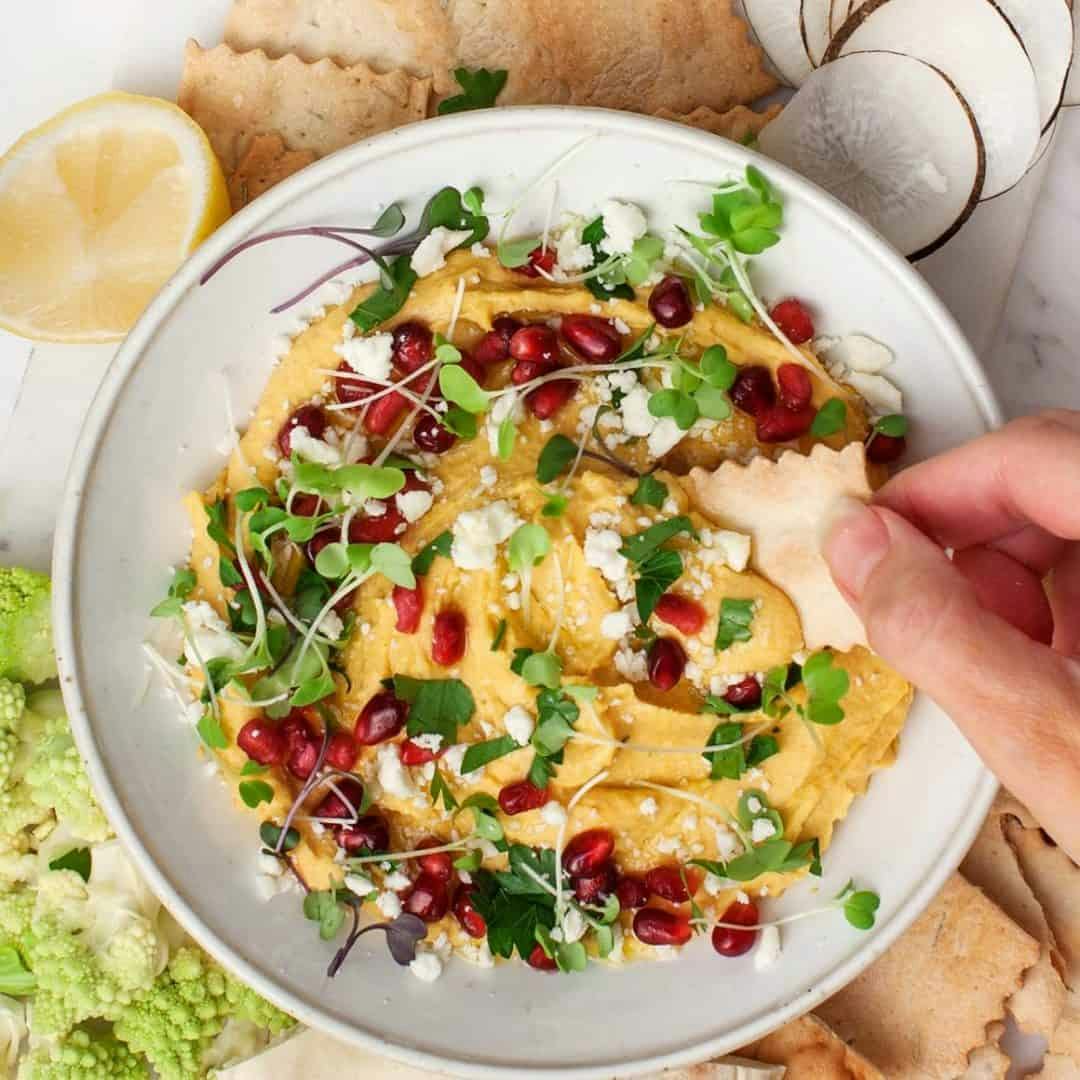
column 153, row 433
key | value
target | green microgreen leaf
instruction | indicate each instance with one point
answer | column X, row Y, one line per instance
column 311, row 690
column 333, row 561
column 515, row 253
column 459, row 422
column 677, row 404
column 638, row 265
column 649, row 492
column 470, row 861
column 894, row 425
column 716, row 369
column 440, row 790
column 253, row 792
column 425, row 557
column 555, row 458
column 479, row 89
column 251, row 498
column 322, row 906
column 504, row 440
column 392, row 561
column 365, row 482
column 829, row 419
column 727, row 764
column 180, row 589
column 390, row 296
column 480, row 754
column 542, row 669
column 825, row 686
column 447, row 208
column 736, row 617
column 860, row 908
column 253, row 768
column 712, row 403
column 500, row 634
column 528, row 546
column 460, row 388
column 555, row 506
column 210, row 731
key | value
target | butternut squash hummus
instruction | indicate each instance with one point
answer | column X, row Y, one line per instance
column 483, row 658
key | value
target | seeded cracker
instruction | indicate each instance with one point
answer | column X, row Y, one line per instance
column 266, row 163
column 811, row 1050
column 316, row 108
column 738, row 124
column 786, row 506
column 921, row 1009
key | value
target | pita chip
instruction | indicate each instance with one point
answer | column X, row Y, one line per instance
column 786, row 506
column 737, row 124
column 266, row 163
column 314, row 108
column 810, row 1050
column 728, row 1068
column 1066, row 1038
column 989, row 1061
column 1059, row 1067
column 992, row 865
column 920, row 1010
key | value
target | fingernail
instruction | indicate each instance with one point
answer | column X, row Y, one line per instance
column 856, row 542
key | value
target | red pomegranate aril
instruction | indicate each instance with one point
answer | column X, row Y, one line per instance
column 536, row 342
column 302, row 759
column 263, row 742
column 729, row 942
column 545, row 401
column 369, row 834
column 320, row 540
column 310, row 417
column 305, row 505
column 655, row 926
column 472, row 922
column 448, row 638
column 520, row 796
column 409, row 605
column 597, row 887
column 413, row 346
column 753, row 390
column 592, row 337
column 632, row 892
column 334, row 806
column 540, row 960
column 492, row 348
column 380, row 719
column 587, row 852
column 384, row 412
column 885, row 449
column 794, row 320
column 296, row 729
column 439, row 865
column 778, row 424
column 670, row 302
column 540, row 258
column 351, row 390
column 378, row 529
column 795, row 388
column 686, row 615
column 413, row 754
column 666, row 663
column 506, row 326
column 430, row 435
column 342, row 751
column 667, row 883
column 428, row 899
column 745, row 694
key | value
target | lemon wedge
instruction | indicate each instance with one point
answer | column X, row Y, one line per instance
column 98, row 207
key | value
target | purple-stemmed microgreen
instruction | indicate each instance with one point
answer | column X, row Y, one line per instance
column 403, row 934
column 306, row 789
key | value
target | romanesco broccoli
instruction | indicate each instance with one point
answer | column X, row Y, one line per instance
column 83, row 1055
column 16, row 911
column 26, row 648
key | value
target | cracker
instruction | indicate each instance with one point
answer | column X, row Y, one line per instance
column 728, row 1068
column 266, row 163
column 786, row 506
column 1066, row 1038
column 989, row 1061
column 811, row 1050
column 1059, row 1067
column 920, row 1010
column 316, row 108
column 738, row 124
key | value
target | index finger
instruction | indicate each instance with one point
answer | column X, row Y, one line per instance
column 1028, row 473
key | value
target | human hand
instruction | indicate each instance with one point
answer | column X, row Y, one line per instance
column 981, row 634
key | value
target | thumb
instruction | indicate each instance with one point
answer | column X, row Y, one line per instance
column 1015, row 700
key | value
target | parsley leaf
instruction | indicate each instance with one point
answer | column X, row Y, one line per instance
column 512, row 915
column 555, row 458
column 825, row 686
column 727, row 764
column 479, row 88
column 389, row 298
column 269, row 834
column 649, row 492
column 480, row 754
column 440, row 789
column 607, row 286
column 829, row 419
column 209, row 729
column 640, row 546
column 436, row 706
column 424, row 558
column 736, row 617
column 655, row 576
column 500, row 633
column 254, row 792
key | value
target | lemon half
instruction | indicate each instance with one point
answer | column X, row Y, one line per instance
column 98, row 207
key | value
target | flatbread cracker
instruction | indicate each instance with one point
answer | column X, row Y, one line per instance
column 1059, row 1067
column 989, row 1061
column 811, row 1050
column 787, row 506
column 266, row 163
column 920, row 1010
column 738, row 124
column 728, row 1068
column 318, row 108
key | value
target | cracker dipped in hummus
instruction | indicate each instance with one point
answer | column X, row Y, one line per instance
column 507, row 617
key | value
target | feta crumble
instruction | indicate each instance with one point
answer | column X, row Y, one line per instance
column 519, row 724
column 430, row 254
column 477, row 534
column 768, row 949
column 648, row 806
column 414, row 504
column 623, row 224
column 393, row 777
column 426, row 966
column 616, row 625
column 370, row 356
column 761, row 830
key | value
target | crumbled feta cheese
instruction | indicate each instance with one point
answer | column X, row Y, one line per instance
column 734, row 546
column 413, row 504
column 477, row 534
column 519, row 724
column 623, row 224
column 622, row 327
column 623, row 381
column 571, row 252
column 453, row 758
column 481, row 251
column 768, row 949
column 855, row 352
column 397, row 881
column 762, row 829
column 426, row 966
column 636, row 418
column 374, row 508
column 880, row 394
column 479, row 955
column 359, row 884
column 430, row 254
column 753, row 804
column 389, row 903
column 573, row 925
column 489, row 476
column 306, row 446
column 209, row 634
column 727, row 844
column 666, row 435
column 393, row 777
column 330, row 625
column 553, row 813
column 507, row 404
column 430, row 740
column 369, row 357
column 615, row 625
column 631, row 665
column 667, row 845
column 602, row 553
column 648, row 806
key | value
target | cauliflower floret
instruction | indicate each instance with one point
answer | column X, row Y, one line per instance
column 83, row 1056
column 26, row 651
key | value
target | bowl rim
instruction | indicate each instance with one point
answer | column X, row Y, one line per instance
column 130, row 354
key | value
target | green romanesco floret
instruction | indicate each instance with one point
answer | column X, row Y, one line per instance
column 12, row 703
column 18, row 865
column 16, row 911
column 20, row 810
column 83, row 1055
column 26, row 648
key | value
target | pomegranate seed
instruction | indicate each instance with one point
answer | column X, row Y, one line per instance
column 745, row 694
column 670, row 302
column 594, row 338
column 795, row 386
column 297, row 729
column 505, row 326
column 319, row 541
column 334, row 806
column 472, row 922
column 540, row 258
column 302, row 759
column 428, row 898
column 492, row 348
column 778, row 424
column 537, row 343
column 632, row 892
column 383, row 528
column 414, row 481
column 439, row 865
column 384, row 413
column 654, row 926
column 753, row 390
column 262, row 742
column 430, row 436
column 545, row 401
column 686, row 615
column 728, row 942
column 470, row 364
column 352, row 390
column 540, row 960
column 370, row 834
column 520, row 796
column 667, row 661
column 595, row 888
column 341, row 751
column 381, row 719
column 413, row 754
column 587, row 852
column 667, row 883
column 306, row 505
column 310, row 417
column 885, row 449
column 448, row 638
column 409, row 605
column 413, row 346
column 794, row 321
